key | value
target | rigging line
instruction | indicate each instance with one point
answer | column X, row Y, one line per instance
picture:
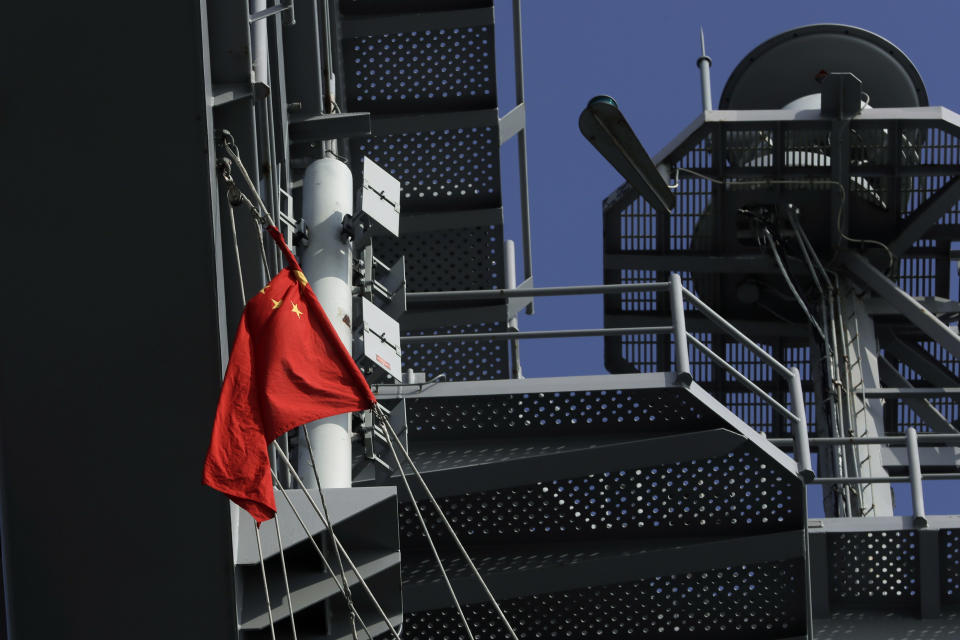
column 234, row 154
column 236, row 252
column 266, row 589
column 453, row 534
column 323, row 503
column 433, row 548
column 783, row 271
column 263, row 250
column 336, row 541
column 323, row 558
column 286, row 581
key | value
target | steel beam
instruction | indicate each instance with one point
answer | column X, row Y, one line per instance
column 921, row 406
column 883, row 625
column 527, row 335
column 934, row 304
column 911, row 392
column 873, row 525
column 939, row 458
column 926, row 216
column 525, row 386
column 330, row 126
column 527, row 292
column 902, row 301
column 760, row 263
column 919, row 360
column 696, row 323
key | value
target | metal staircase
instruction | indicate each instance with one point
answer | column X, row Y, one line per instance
column 642, row 500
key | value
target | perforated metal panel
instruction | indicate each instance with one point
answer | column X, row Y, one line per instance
column 950, row 566
column 877, row 568
column 745, row 601
column 440, row 169
column 448, row 260
column 430, row 70
column 463, row 360
column 738, row 493
column 635, row 410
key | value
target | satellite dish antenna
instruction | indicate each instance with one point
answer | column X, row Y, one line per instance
column 789, row 66
column 606, row 128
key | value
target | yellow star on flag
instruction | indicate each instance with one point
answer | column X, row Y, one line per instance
column 276, row 303
column 295, row 309
column 265, row 289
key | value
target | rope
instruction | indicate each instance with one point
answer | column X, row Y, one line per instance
column 266, row 589
column 336, row 541
column 385, row 422
column 323, row 503
column 236, row 252
column 326, row 564
column 433, row 548
column 234, row 154
column 263, row 250
column 286, row 582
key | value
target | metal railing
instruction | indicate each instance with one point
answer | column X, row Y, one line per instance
column 915, row 475
column 677, row 293
column 800, row 442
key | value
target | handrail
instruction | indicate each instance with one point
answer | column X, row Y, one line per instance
column 524, row 335
column 796, row 414
column 747, row 382
column 533, row 292
column 736, row 333
column 677, row 293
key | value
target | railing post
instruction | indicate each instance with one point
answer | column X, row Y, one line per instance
column 681, row 356
column 801, row 442
column 916, row 486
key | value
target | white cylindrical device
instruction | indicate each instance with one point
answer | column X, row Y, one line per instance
column 327, row 263
column 261, row 58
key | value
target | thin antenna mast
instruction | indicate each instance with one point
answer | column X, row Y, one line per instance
column 704, row 62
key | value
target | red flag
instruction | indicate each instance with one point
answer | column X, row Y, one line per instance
column 287, row 367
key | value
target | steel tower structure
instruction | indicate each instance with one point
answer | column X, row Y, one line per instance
column 666, row 499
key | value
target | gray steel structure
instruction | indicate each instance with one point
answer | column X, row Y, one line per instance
column 647, row 502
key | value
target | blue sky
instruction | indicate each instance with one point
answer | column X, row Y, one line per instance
column 644, row 54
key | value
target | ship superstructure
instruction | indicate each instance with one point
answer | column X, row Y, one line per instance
column 777, row 315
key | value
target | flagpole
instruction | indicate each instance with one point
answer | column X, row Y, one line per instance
column 327, row 263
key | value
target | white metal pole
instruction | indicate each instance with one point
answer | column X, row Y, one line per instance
column 916, row 482
column 261, row 60
column 510, row 279
column 704, row 63
column 681, row 357
column 327, row 198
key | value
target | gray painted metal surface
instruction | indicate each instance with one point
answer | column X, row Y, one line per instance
column 116, row 531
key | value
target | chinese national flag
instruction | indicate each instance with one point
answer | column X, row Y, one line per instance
column 287, row 367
